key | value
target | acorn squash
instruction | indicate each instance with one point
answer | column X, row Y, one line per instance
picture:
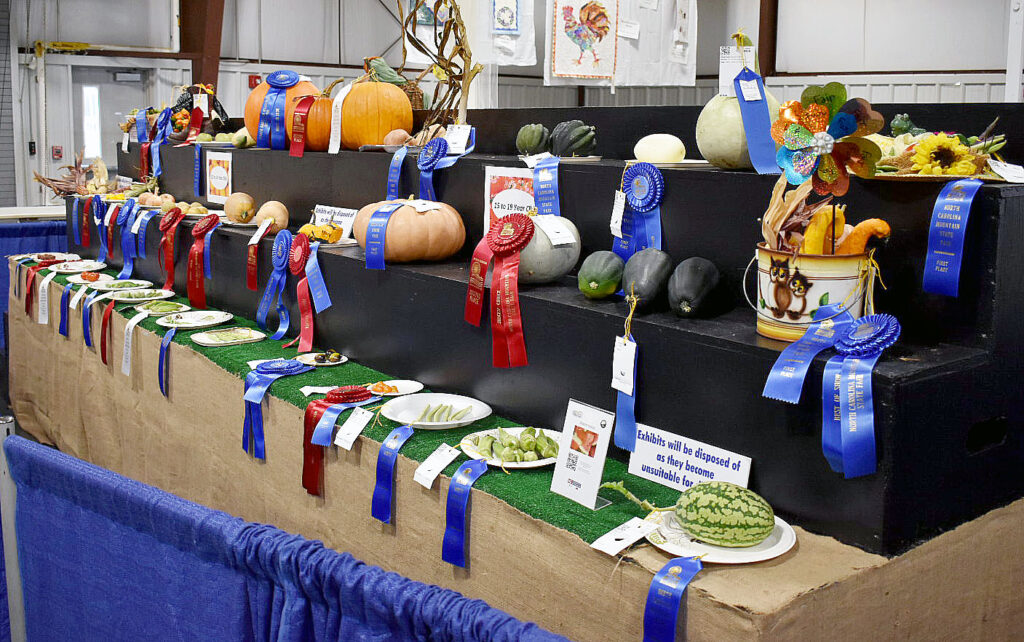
column 645, row 275
column 573, row 138
column 600, row 274
column 533, row 139
column 691, row 283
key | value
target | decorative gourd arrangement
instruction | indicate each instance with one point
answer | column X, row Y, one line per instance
column 542, row 262
column 326, row 233
column 417, row 231
column 254, row 103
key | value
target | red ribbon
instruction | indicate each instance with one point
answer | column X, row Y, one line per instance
column 348, row 394
column 104, row 329
column 196, row 277
column 297, row 266
column 252, row 252
column 30, row 280
column 299, row 126
column 313, row 455
column 169, row 225
column 86, row 215
column 144, row 161
column 195, row 123
column 110, row 223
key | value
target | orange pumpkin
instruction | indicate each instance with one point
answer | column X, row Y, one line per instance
column 254, row 104
column 372, row 110
column 318, row 122
column 412, row 235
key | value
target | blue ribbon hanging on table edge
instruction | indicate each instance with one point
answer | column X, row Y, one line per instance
column 76, row 229
column 381, row 507
column 644, row 187
column 257, row 383
column 325, row 427
column 946, row 235
column 786, row 379
column 454, row 544
column 161, row 375
column 757, row 124
column 87, row 318
column 315, row 279
column 625, row 410
column 545, row 186
column 271, row 132
column 207, row 265
column 395, row 172
column 126, row 219
column 142, row 125
column 275, row 286
column 99, row 212
column 17, row 273
column 65, row 300
column 661, row 611
column 163, row 125
column 848, row 423
column 198, row 188
column 376, row 235
column 146, row 216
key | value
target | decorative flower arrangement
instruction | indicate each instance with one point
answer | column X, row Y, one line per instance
column 913, row 151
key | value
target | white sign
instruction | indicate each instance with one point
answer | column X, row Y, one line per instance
column 124, row 142
column 75, row 300
column 202, row 101
column 43, row 308
column 260, row 231
column 457, row 137
column 126, row 355
column 531, row 161
column 1012, row 173
column 316, row 390
column 507, row 190
column 623, row 535
column 334, row 146
column 730, row 64
column 581, row 453
column 343, row 216
column 679, row 462
column 629, row 29
column 218, row 176
column 352, row 428
column 432, row 466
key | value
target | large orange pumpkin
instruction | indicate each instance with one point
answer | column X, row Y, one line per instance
column 430, row 235
column 371, row 110
column 254, row 104
column 318, row 122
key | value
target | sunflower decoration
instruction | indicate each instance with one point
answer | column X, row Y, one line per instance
column 942, row 154
column 822, row 138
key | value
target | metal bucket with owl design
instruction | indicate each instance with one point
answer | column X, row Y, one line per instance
column 791, row 288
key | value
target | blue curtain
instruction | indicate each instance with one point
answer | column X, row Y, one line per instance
column 104, row 557
column 23, row 238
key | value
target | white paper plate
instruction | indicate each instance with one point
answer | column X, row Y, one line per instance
column 181, row 307
column 691, row 162
column 109, row 286
column 219, row 213
column 471, row 451
column 407, row 409
column 405, row 387
column 59, row 256
column 213, row 143
column 78, row 280
column 309, row 359
column 579, row 159
column 76, row 267
column 224, row 221
column 672, row 539
column 141, row 295
column 194, row 319
column 244, row 335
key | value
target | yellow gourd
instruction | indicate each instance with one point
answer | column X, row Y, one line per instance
column 818, row 237
column 857, row 240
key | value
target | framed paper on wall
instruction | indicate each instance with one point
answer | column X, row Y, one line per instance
column 584, row 38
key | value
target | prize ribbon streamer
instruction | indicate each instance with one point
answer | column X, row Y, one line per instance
column 644, row 187
column 271, row 132
column 275, row 286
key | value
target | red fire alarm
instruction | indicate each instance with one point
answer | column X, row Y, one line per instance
column 57, row 152
column 254, row 81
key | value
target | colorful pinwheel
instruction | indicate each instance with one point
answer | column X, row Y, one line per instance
column 821, row 138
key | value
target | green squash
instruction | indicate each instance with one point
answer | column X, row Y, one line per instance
column 542, row 262
column 573, row 138
column 646, row 272
column 691, row 283
column 533, row 139
column 600, row 274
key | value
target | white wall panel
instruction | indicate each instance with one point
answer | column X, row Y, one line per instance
column 134, row 23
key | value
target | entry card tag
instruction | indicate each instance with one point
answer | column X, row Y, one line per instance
column 582, row 450
column 432, row 466
column 357, row 421
column 618, row 207
column 730, row 64
column 124, row 142
column 629, row 29
column 555, row 229
column 750, row 91
column 129, row 331
column 624, row 535
column 260, row 231
column 680, row 462
column 78, row 297
column 531, row 161
column 334, row 146
column 202, row 101
column 343, row 216
column 624, row 365
column 255, row 362
column 43, row 310
column 1012, row 173
column 421, row 205
column 457, row 137
column 314, row 390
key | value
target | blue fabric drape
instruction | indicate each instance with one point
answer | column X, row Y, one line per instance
column 104, row 557
column 23, row 238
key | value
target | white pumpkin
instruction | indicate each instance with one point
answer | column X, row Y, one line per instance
column 542, row 262
column 720, row 136
column 659, row 148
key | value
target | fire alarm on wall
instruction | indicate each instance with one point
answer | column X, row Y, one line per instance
column 57, row 152
column 254, row 81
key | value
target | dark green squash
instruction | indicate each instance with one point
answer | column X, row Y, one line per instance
column 533, row 139
column 600, row 274
column 646, row 272
column 573, row 138
column 691, row 283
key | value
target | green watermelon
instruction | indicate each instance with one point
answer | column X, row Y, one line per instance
column 725, row 514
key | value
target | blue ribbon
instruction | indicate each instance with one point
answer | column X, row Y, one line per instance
column 147, row 216
column 75, row 227
column 661, row 612
column 275, row 286
column 99, row 211
column 87, row 318
column 454, row 544
column 625, row 412
column 376, row 231
column 163, row 126
column 198, row 188
column 946, row 237
column 831, row 414
column 325, row 427
column 271, row 132
column 395, row 172
column 644, row 187
column 17, row 274
column 381, row 506
column 207, row 269
column 65, row 300
column 545, row 186
column 448, row 161
column 786, row 379
column 161, row 373
column 430, row 156
column 315, row 278
column 257, row 383
column 142, row 125
column 757, row 125
column 126, row 218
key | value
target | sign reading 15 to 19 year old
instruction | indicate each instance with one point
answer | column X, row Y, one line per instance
column 679, row 462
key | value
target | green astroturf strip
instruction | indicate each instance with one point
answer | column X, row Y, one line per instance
column 527, row 490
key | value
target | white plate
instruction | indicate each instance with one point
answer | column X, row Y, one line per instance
column 78, row 280
column 471, row 451
column 108, row 286
column 59, row 256
column 213, row 143
column 692, row 162
column 405, row 387
column 407, row 409
column 309, row 359
column 75, row 267
column 243, row 335
column 224, row 221
column 671, row 538
column 195, row 319
column 181, row 307
column 141, row 295
column 579, row 159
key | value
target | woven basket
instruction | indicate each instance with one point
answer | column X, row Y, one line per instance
column 415, row 94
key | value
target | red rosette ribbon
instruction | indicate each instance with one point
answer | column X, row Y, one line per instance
column 502, row 244
column 312, row 454
column 30, row 279
column 299, row 124
column 297, row 265
column 196, row 277
column 111, row 224
column 169, row 225
column 86, row 215
column 348, row 394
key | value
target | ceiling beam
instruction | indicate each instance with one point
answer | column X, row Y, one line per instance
column 201, row 24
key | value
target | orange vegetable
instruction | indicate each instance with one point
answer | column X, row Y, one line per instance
column 857, row 240
column 382, row 388
column 90, row 276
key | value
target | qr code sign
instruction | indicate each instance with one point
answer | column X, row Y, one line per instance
column 571, row 461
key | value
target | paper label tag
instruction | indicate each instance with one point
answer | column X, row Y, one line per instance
column 75, row 300
column 678, row 462
column 43, row 311
column 343, row 216
column 531, row 161
column 457, row 137
column 730, row 64
column 255, row 362
column 624, row 535
column 582, row 450
column 555, row 229
column 124, row 142
column 258, row 234
column 618, row 207
column 129, row 331
column 202, row 101
column 421, row 205
column 218, row 176
column 339, row 101
column 137, row 225
column 1012, row 173
column 352, row 428
column 629, row 29
column 315, row 390
column 124, row 182
column 432, row 466
column 750, row 91
column 623, row 363
column 649, row 4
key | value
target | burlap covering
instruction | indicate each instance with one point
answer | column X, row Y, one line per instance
column 963, row 584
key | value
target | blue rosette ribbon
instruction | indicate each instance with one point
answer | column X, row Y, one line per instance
column 275, row 286
column 848, row 422
column 257, row 383
column 125, row 220
column 644, row 187
column 429, row 157
column 271, row 132
column 786, row 379
column 99, row 212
